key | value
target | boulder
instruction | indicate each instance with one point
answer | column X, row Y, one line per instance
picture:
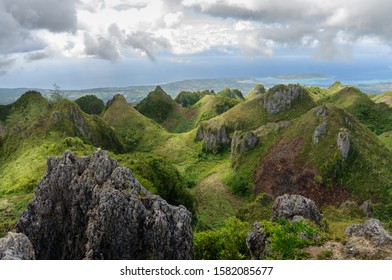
column 372, row 231
column 89, row 208
column 291, row 206
column 368, row 241
column 280, row 98
column 344, row 142
column 16, row 246
column 257, row 242
column 320, row 131
column 322, row 112
column 243, row 143
column 214, row 139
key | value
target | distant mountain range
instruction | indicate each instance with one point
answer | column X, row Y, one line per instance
column 135, row 94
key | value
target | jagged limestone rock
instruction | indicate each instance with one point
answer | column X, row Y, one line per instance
column 366, row 207
column 322, row 112
column 257, row 242
column 370, row 230
column 289, row 206
column 214, row 139
column 16, row 246
column 243, row 143
column 88, row 208
column 368, row 241
column 320, row 131
column 280, row 98
column 344, row 142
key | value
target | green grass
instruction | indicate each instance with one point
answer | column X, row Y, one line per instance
column 10, row 209
column 375, row 116
column 366, row 173
column 385, row 97
column 157, row 105
column 137, row 132
column 215, row 203
column 386, row 138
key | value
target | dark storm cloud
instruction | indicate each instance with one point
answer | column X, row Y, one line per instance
column 53, row 15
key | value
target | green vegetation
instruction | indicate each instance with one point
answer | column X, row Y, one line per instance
column 157, row 105
column 385, row 97
column 375, row 116
column 259, row 89
column 227, row 243
column 231, row 93
column 188, row 99
column 91, row 104
column 288, row 238
column 157, row 142
column 167, row 182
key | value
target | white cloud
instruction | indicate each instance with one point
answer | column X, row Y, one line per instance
column 113, row 29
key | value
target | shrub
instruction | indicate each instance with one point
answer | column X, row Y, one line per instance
column 167, row 182
column 227, row 243
column 288, row 238
column 239, row 185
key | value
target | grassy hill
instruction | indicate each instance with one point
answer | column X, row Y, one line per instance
column 136, row 131
column 321, row 143
column 376, row 116
column 316, row 167
column 385, row 97
column 157, row 105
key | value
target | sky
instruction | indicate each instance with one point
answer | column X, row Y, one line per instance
column 96, row 43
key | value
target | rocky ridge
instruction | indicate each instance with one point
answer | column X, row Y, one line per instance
column 89, row 208
column 16, row 246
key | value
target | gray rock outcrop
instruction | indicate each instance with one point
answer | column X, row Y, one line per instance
column 257, row 242
column 214, row 139
column 344, row 142
column 16, row 246
column 320, row 131
column 322, row 112
column 370, row 230
column 280, row 98
column 88, row 208
column 291, row 206
column 368, row 241
column 243, row 143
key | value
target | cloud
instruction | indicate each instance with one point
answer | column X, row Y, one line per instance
column 113, row 29
column 127, row 6
column 115, row 42
column 288, row 25
column 53, row 15
column 38, row 55
column 101, row 47
column 5, row 64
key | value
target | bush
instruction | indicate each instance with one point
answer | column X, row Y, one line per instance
column 167, row 182
column 288, row 238
column 239, row 185
column 227, row 243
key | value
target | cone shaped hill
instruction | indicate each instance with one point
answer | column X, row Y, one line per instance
column 224, row 156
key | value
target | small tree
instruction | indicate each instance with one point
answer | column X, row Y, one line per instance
column 55, row 94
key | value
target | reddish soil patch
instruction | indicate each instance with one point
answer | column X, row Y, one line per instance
column 280, row 172
column 189, row 114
